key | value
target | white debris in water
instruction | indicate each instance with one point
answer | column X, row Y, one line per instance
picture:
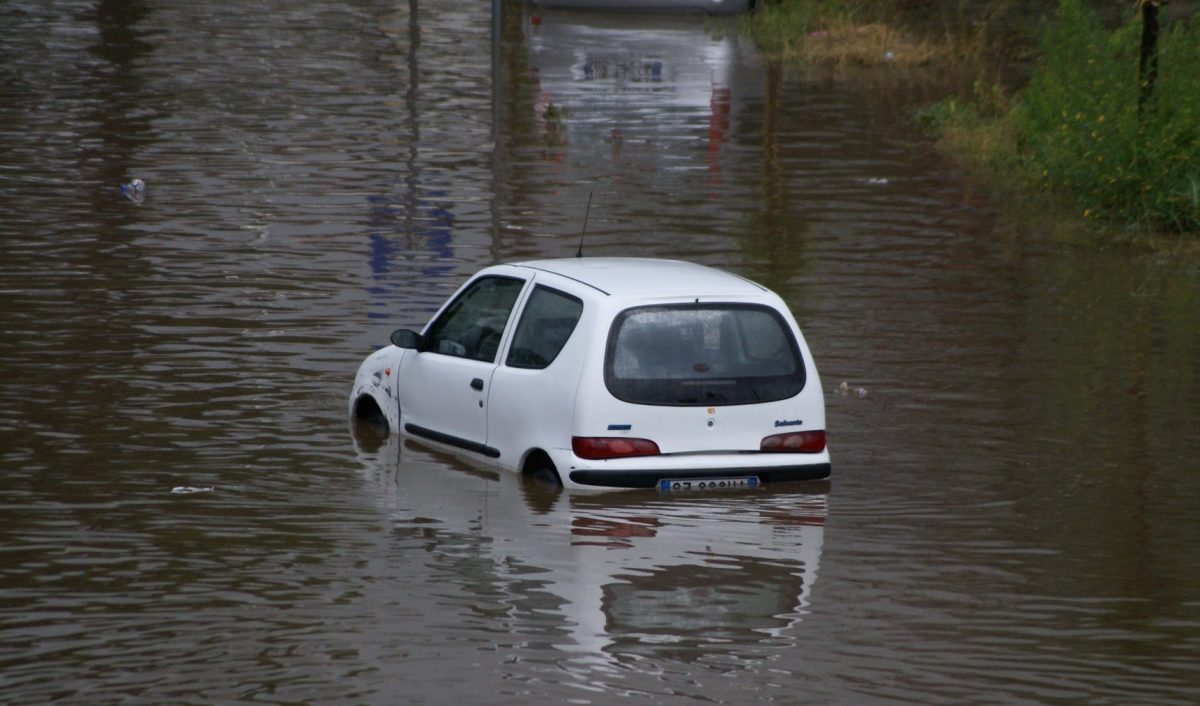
column 134, row 191
column 845, row 389
column 185, row 489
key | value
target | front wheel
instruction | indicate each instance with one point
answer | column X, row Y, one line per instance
column 367, row 410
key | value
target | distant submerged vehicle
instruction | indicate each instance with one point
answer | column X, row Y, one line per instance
column 712, row 7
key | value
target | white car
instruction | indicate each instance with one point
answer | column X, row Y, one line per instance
column 608, row 373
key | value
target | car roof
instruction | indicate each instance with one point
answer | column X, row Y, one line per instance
column 634, row 276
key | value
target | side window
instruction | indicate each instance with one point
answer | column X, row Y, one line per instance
column 545, row 326
column 766, row 342
column 472, row 325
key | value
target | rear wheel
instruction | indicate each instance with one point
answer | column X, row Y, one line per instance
column 540, row 469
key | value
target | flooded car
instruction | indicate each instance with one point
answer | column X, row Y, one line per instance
column 608, row 373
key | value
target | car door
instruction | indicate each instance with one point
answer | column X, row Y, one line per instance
column 531, row 402
column 445, row 384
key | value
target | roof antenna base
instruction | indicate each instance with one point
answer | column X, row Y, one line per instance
column 579, row 252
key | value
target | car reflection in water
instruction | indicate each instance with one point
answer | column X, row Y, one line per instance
column 631, row 572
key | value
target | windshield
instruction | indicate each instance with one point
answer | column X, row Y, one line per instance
column 702, row 354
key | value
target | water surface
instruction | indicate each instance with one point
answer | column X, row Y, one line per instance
column 1013, row 514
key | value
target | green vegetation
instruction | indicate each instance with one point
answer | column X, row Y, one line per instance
column 859, row 33
column 1078, row 122
column 1076, row 129
column 1077, row 126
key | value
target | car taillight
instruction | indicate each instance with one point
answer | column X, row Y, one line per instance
column 803, row 442
column 601, row 447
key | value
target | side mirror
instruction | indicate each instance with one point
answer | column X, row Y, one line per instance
column 406, row 338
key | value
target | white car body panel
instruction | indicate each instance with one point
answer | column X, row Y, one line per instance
column 377, row 380
column 438, row 394
column 521, row 411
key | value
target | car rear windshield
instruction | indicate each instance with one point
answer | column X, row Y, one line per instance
column 702, row 354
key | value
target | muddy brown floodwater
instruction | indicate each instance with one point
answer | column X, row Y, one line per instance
column 1014, row 511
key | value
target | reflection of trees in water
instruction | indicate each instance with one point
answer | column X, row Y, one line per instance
column 1108, row 377
column 524, row 117
column 122, row 119
column 773, row 239
column 78, row 120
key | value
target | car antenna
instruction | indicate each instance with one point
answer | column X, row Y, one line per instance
column 579, row 252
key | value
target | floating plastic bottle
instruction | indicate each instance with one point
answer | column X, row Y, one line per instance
column 134, row 190
column 188, row 490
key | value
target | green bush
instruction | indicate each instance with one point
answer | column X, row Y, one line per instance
column 782, row 28
column 1078, row 124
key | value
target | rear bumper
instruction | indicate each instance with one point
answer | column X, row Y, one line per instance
column 649, row 478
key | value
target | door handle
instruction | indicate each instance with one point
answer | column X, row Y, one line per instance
column 477, row 384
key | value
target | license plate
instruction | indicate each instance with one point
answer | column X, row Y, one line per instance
column 684, row 485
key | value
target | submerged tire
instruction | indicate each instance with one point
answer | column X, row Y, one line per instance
column 367, row 410
column 541, row 470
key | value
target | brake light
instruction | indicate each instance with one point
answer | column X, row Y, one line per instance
column 803, row 442
column 601, row 447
